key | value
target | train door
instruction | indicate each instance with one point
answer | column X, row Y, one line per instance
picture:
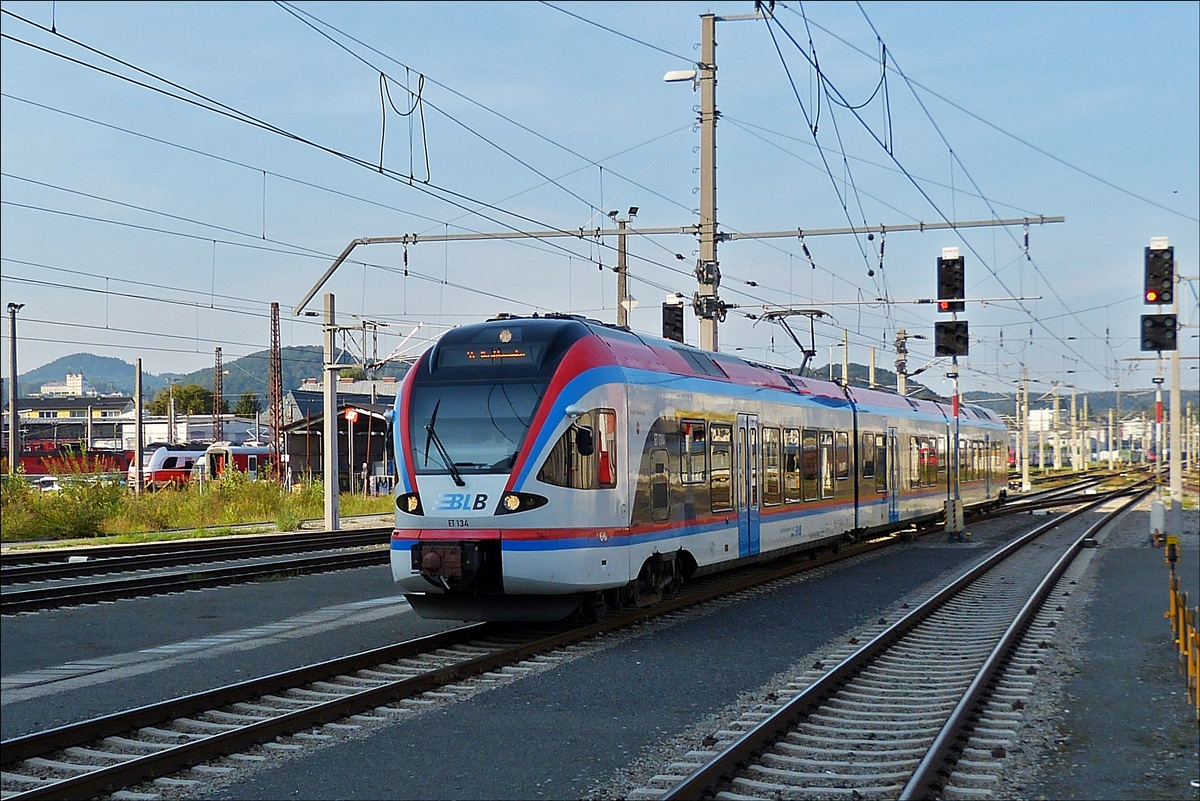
column 893, row 468
column 748, row 484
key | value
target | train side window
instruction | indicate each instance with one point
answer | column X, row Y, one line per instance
column 752, row 461
column 772, row 489
column 942, row 455
column 809, row 465
column 791, row 465
column 720, row 463
column 881, row 464
column 866, row 455
column 693, row 452
column 826, row 464
column 916, row 460
column 660, row 485
column 842, row 454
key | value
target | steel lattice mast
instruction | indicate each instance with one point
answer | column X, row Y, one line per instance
column 275, row 401
column 218, row 391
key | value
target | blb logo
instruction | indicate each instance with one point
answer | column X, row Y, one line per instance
column 460, row 502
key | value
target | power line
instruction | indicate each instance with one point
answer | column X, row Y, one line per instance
column 1009, row 134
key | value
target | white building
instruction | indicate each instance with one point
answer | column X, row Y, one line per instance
column 76, row 386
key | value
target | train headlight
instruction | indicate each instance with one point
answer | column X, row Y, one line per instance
column 409, row 503
column 519, row 502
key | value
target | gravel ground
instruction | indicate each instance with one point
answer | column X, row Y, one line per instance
column 1112, row 719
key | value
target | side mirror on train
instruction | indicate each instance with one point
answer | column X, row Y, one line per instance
column 583, row 441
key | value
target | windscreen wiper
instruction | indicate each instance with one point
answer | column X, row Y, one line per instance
column 433, row 437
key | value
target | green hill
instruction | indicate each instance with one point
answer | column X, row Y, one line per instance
column 247, row 374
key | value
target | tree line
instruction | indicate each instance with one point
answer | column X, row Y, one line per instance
column 195, row 399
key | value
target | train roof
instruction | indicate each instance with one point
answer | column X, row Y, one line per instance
column 644, row 351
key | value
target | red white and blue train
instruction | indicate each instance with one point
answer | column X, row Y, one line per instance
column 549, row 464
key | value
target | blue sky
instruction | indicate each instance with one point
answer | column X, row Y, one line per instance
column 136, row 224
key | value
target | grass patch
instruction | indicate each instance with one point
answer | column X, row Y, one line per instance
column 87, row 512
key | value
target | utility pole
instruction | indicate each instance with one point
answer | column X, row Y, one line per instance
column 845, row 357
column 871, row 376
column 623, row 300
column 901, row 362
column 138, row 434
column 329, row 445
column 1057, row 438
column 1175, row 516
column 1074, row 434
column 1026, row 484
column 1112, row 456
column 708, row 273
column 14, row 420
column 1085, row 441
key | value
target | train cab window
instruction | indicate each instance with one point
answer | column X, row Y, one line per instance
column 826, row 464
column 720, row 464
column 809, row 465
column 693, row 452
column 772, row 489
column 842, row 455
column 606, row 448
column 881, row 463
column 866, row 455
column 791, row 465
column 567, row 466
column 169, row 463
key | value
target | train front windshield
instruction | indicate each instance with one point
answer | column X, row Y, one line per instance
column 474, row 396
column 477, row 427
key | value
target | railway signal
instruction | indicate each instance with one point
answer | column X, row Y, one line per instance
column 1158, row 332
column 672, row 321
column 951, row 281
column 950, row 338
column 1160, row 277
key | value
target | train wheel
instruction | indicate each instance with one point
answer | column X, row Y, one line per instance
column 595, row 607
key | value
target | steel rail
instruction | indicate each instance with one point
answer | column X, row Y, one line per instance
column 713, row 772
column 28, row 556
column 927, row 772
column 28, row 600
column 187, row 552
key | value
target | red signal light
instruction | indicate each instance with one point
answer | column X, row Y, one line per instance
column 943, row 305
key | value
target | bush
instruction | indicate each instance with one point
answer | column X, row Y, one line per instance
column 79, row 509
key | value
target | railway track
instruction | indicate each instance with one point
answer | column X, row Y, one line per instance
column 920, row 709
column 177, row 566
column 53, row 578
column 120, row 750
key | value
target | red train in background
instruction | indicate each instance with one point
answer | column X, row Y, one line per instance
column 69, row 458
